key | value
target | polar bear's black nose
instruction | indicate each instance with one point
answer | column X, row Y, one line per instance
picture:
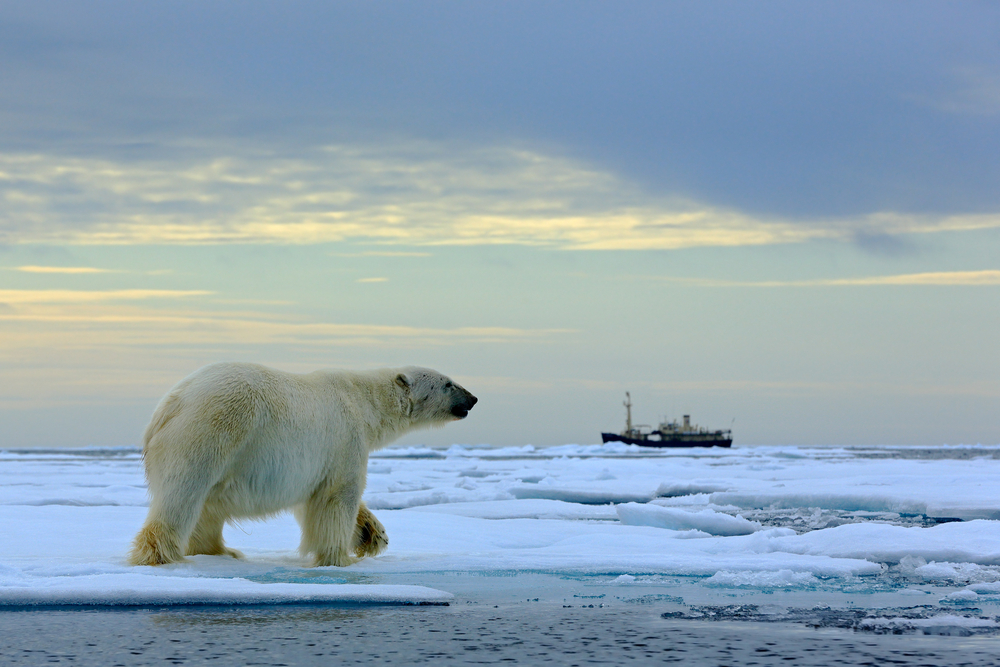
column 461, row 410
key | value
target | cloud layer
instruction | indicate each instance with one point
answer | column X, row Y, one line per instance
column 419, row 194
column 78, row 345
column 940, row 278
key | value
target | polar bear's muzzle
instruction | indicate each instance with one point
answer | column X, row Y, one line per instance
column 461, row 409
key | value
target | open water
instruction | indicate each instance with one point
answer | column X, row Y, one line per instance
column 461, row 634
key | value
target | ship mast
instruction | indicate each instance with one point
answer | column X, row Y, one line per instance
column 628, row 413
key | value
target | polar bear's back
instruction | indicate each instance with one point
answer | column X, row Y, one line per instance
column 229, row 399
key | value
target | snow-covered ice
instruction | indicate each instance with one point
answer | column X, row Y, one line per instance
column 919, row 524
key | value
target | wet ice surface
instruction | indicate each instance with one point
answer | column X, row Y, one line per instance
column 863, row 543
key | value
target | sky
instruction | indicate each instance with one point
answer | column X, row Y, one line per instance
column 782, row 218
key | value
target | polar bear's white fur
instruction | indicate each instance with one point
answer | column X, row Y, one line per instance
column 237, row 440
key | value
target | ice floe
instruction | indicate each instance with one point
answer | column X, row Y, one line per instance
column 919, row 521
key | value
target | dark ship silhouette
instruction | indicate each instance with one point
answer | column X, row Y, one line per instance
column 668, row 434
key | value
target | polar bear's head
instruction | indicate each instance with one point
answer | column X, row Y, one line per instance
column 433, row 397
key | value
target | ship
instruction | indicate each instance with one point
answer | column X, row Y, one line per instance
column 668, row 434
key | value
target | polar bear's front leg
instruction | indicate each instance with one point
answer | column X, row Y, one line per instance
column 328, row 521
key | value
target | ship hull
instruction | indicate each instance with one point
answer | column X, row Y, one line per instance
column 683, row 440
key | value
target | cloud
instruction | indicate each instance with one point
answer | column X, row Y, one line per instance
column 62, row 345
column 974, row 91
column 985, row 277
column 48, row 320
column 13, row 296
column 942, row 278
column 385, row 253
column 417, row 194
column 61, row 269
column 372, row 280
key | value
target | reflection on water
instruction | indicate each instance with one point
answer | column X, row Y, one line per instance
column 263, row 616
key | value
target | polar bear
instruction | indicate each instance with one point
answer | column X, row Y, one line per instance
column 237, row 440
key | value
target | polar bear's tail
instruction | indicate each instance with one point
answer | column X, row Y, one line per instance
column 168, row 408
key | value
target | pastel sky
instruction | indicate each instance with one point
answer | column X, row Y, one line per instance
column 783, row 216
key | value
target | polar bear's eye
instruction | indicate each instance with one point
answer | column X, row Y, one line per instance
column 447, row 385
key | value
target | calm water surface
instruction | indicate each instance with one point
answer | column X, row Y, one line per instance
column 469, row 634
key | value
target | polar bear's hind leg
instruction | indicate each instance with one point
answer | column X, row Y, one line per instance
column 165, row 533
column 179, row 486
column 207, row 535
column 156, row 544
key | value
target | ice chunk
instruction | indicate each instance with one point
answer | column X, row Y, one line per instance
column 674, row 489
column 523, row 509
column 708, row 521
column 961, row 542
column 779, row 579
column 975, row 592
column 404, row 487
column 869, row 502
column 402, row 500
column 964, row 595
column 576, row 495
column 945, row 624
column 958, row 572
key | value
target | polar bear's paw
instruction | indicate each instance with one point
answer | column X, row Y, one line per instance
column 219, row 551
column 156, row 544
column 338, row 557
column 369, row 534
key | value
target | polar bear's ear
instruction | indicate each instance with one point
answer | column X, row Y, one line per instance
column 403, row 381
